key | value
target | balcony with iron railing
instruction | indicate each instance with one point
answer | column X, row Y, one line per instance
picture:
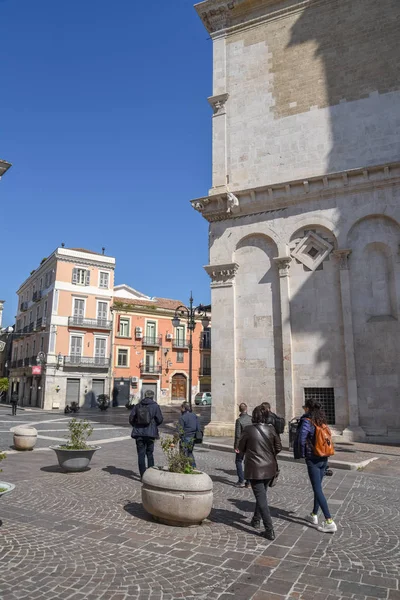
column 23, row 307
column 96, row 362
column 31, row 326
column 152, row 340
column 150, row 369
column 25, row 329
column 180, row 343
column 205, row 344
column 20, row 362
column 89, row 323
column 36, row 296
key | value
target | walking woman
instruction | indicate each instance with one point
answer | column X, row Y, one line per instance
column 188, row 424
column 313, row 425
column 260, row 444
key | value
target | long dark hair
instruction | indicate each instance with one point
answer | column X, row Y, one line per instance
column 315, row 412
column 260, row 414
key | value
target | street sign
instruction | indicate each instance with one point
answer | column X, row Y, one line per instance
column 37, row 370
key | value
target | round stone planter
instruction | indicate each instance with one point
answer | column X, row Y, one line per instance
column 175, row 498
column 8, row 487
column 25, row 438
column 73, row 461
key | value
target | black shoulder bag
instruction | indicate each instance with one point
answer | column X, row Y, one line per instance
column 274, row 480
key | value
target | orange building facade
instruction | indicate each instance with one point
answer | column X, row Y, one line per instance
column 149, row 353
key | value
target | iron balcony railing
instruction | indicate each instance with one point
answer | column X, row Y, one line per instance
column 20, row 362
column 39, row 323
column 24, row 306
column 179, row 343
column 89, row 323
column 205, row 344
column 151, row 369
column 36, row 296
column 31, row 326
column 153, row 340
column 205, row 371
column 97, row 362
column 25, row 329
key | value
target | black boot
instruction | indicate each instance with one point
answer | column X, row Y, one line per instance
column 269, row 534
column 255, row 523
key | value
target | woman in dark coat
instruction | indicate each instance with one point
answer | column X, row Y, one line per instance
column 260, row 443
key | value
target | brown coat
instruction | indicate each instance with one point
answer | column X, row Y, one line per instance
column 260, row 454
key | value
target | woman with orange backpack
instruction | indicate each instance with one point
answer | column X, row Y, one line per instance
column 314, row 443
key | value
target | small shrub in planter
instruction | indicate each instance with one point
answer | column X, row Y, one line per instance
column 177, row 461
column 4, row 486
column 76, row 454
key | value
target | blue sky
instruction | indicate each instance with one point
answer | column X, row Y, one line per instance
column 105, row 119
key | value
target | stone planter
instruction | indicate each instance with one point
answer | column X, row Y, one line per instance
column 9, row 487
column 74, row 461
column 175, row 498
column 25, row 437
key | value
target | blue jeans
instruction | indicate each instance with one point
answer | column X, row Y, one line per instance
column 145, row 448
column 187, row 445
column 316, row 467
column 239, row 466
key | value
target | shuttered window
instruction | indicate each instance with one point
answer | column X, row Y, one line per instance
column 81, row 276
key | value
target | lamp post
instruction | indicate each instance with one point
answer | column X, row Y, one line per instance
column 189, row 313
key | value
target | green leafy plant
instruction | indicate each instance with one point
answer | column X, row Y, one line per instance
column 79, row 432
column 4, row 385
column 177, row 461
column 2, row 457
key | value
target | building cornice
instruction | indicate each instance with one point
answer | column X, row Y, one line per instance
column 222, row 17
column 4, row 166
column 224, row 204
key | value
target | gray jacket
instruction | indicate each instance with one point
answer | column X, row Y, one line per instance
column 243, row 421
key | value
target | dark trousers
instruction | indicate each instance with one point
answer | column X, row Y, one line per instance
column 239, row 466
column 14, row 408
column 316, row 472
column 260, row 487
column 145, row 448
column 186, row 446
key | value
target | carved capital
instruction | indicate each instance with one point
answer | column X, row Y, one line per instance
column 283, row 263
column 218, row 104
column 342, row 256
column 222, row 275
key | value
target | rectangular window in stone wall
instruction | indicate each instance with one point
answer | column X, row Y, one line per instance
column 326, row 396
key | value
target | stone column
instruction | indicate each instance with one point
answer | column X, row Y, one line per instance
column 283, row 263
column 223, row 388
column 353, row 432
column 219, row 161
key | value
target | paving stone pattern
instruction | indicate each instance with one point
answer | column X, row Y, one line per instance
column 86, row 536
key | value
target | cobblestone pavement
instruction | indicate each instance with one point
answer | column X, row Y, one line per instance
column 85, row 536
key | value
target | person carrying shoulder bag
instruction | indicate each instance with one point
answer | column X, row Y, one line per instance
column 260, row 444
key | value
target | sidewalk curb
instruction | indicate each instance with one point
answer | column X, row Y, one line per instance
column 286, row 456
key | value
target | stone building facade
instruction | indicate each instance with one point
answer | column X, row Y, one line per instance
column 304, row 210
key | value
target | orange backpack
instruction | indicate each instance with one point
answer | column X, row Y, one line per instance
column 323, row 444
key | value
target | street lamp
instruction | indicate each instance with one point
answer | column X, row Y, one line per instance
column 189, row 313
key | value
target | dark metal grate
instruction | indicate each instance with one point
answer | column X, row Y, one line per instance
column 326, row 396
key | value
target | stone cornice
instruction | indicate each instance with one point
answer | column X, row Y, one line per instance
column 222, row 275
column 224, row 204
column 220, row 17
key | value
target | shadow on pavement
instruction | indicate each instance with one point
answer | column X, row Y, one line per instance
column 135, row 509
column 57, row 469
column 122, row 472
column 247, row 506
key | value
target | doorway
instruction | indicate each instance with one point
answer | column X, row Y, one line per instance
column 121, row 391
column 73, row 386
column 179, row 388
column 98, row 387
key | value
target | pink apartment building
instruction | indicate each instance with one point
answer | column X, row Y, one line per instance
column 63, row 339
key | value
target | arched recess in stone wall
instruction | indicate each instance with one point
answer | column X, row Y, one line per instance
column 258, row 331
column 375, row 293
column 316, row 317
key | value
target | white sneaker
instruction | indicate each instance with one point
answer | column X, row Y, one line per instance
column 312, row 519
column 328, row 527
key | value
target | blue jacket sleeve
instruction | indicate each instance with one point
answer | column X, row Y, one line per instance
column 132, row 416
column 306, row 431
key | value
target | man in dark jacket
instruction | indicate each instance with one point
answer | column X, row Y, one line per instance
column 145, row 418
column 188, row 424
column 243, row 421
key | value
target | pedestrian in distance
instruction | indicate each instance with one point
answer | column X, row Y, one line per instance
column 273, row 419
column 260, row 444
column 244, row 420
column 314, row 443
column 188, row 424
column 14, row 403
column 145, row 418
